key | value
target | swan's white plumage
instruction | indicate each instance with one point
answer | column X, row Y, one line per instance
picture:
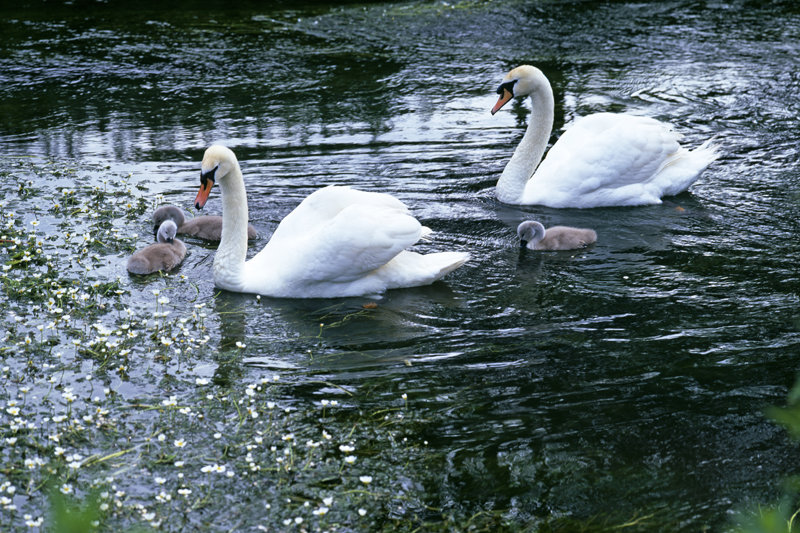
column 604, row 159
column 338, row 242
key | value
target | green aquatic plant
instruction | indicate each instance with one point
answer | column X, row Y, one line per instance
column 68, row 515
column 104, row 391
column 783, row 516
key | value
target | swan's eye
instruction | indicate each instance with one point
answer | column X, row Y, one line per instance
column 206, row 176
column 507, row 86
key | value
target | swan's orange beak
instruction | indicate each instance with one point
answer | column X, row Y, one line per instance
column 505, row 97
column 206, row 183
column 202, row 195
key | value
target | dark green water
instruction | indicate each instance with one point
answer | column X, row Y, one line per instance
column 624, row 381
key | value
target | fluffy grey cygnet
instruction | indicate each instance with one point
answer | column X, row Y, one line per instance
column 165, row 255
column 206, row 227
column 533, row 235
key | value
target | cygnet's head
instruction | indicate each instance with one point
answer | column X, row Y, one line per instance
column 218, row 162
column 167, row 231
column 167, row 212
column 530, row 233
column 519, row 82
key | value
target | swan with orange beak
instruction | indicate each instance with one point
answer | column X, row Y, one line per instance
column 338, row 242
column 603, row 159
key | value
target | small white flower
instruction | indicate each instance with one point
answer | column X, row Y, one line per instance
column 362, row 512
column 66, row 488
column 179, row 443
column 366, row 480
column 328, row 501
column 201, row 381
column 350, row 459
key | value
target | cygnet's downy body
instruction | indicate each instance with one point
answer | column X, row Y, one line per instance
column 206, row 227
column 165, row 255
column 533, row 235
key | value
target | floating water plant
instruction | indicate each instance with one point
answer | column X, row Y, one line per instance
column 105, row 419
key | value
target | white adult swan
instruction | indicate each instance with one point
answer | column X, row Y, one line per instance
column 206, row 227
column 165, row 255
column 338, row 242
column 533, row 236
column 604, row 159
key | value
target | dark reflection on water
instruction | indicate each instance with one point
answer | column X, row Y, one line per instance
column 630, row 376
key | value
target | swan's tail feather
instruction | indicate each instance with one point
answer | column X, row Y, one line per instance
column 685, row 167
column 410, row 269
column 709, row 150
column 448, row 261
column 425, row 234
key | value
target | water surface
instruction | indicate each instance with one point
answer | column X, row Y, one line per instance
column 621, row 381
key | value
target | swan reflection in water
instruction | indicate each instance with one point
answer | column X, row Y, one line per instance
column 279, row 333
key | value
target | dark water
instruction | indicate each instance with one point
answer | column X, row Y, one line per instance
column 625, row 380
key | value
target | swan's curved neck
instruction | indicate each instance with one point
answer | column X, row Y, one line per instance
column 531, row 148
column 232, row 252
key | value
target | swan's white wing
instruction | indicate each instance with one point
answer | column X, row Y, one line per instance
column 360, row 239
column 337, row 235
column 324, row 205
column 605, row 154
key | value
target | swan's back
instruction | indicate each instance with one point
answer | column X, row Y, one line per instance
column 345, row 242
column 609, row 159
column 324, row 205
